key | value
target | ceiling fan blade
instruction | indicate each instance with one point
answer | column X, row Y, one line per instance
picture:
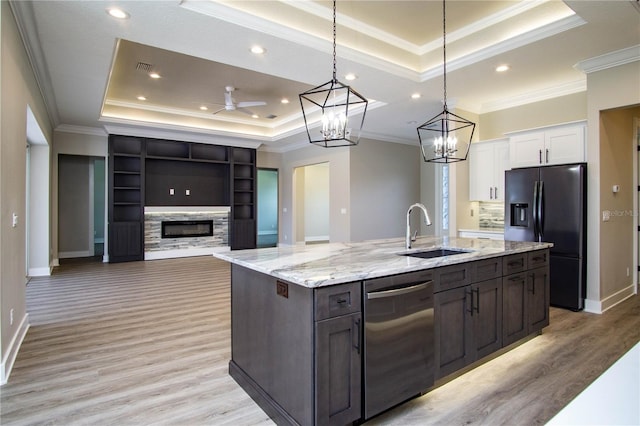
column 246, row 111
column 250, row 104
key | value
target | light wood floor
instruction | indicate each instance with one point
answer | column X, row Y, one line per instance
column 149, row 342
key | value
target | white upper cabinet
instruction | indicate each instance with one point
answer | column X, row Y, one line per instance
column 561, row 144
column 487, row 162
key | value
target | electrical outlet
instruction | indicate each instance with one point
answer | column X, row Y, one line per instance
column 627, row 271
column 11, row 317
column 471, row 212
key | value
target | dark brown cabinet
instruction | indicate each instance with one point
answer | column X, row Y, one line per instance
column 479, row 311
column 468, row 319
column 526, row 299
column 297, row 350
column 338, row 384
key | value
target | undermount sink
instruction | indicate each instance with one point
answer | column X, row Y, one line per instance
column 429, row 254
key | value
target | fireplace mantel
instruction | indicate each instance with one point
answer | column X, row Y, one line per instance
column 187, row 209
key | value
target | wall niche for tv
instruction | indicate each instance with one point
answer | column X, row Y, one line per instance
column 186, row 183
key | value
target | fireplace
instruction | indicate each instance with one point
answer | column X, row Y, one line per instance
column 187, row 228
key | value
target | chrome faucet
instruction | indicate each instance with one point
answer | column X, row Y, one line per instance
column 427, row 222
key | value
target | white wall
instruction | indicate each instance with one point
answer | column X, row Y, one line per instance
column 607, row 89
column 316, row 202
column 339, row 188
column 39, row 262
column 385, row 181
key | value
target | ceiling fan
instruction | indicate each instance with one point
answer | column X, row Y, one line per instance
column 230, row 103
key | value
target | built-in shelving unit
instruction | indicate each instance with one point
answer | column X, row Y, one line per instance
column 244, row 198
column 158, row 172
column 126, row 191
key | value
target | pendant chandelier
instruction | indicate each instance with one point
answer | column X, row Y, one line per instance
column 446, row 137
column 334, row 106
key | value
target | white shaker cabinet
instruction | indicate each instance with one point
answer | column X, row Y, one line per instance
column 560, row 144
column 487, row 162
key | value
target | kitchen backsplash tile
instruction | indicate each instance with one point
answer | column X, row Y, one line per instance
column 491, row 215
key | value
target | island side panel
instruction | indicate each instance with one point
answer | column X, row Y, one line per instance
column 272, row 339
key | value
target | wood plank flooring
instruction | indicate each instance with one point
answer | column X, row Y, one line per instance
column 146, row 343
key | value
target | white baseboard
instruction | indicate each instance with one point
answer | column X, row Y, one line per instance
column 55, row 262
column 317, row 238
column 269, row 232
column 600, row 306
column 40, row 272
column 12, row 352
column 171, row 254
column 105, row 258
column 98, row 240
column 74, row 254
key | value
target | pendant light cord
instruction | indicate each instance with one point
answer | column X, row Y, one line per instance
column 444, row 51
column 334, row 42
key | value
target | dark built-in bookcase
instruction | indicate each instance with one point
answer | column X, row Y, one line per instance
column 156, row 172
column 243, row 209
column 126, row 195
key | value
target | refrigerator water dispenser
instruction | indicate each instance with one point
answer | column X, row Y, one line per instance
column 519, row 214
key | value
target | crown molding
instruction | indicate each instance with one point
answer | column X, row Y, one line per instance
column 81, row 130
column 609, row 60
column 529, row 37
column 28, row 29
column 535, row 96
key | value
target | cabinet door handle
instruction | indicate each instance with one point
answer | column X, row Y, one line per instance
column 540, row 156
column 533, row 283
column 356, row 325
column 495, row 192
column 547, row 155
column 477, row 291
column 470, row 294
column 490, row 193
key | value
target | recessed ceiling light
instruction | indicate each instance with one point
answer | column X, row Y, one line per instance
column 203, row 108
column 416, row 96
column 142, row 98
column 117, row 13
column 351, row 76
column 502, row 68
column 154, row 75
column 284, row 101
column 255, row 116
column 258, row 50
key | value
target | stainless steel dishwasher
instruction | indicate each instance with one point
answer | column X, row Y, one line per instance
column 399, row 339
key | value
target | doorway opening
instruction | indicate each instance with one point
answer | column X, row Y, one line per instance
column 311, row 204
column 81, row 207
column 267, row 208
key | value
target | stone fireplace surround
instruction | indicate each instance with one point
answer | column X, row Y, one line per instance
column 156, row 247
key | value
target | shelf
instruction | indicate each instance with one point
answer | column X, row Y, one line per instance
column 215, row 153
column 243, row 155
column 167, row 149
column 126, row 145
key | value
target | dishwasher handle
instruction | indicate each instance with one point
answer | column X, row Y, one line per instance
column 398, row 291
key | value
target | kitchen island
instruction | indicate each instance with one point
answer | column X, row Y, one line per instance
column 305, row 340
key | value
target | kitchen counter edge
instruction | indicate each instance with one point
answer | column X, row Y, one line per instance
column 319, row 265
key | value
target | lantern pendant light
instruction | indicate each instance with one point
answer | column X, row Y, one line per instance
column 335, row 106
column 445, row 138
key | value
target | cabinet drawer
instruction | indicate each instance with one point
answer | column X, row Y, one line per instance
column 514, row 263
column 538, row 258
column 486, row 269
column 453, row 276
column 337, row 300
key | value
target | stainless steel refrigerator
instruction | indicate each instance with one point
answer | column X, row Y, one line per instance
column 550, row 204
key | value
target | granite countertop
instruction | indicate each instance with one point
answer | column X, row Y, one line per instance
column 484, row 230
column 320, row 265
